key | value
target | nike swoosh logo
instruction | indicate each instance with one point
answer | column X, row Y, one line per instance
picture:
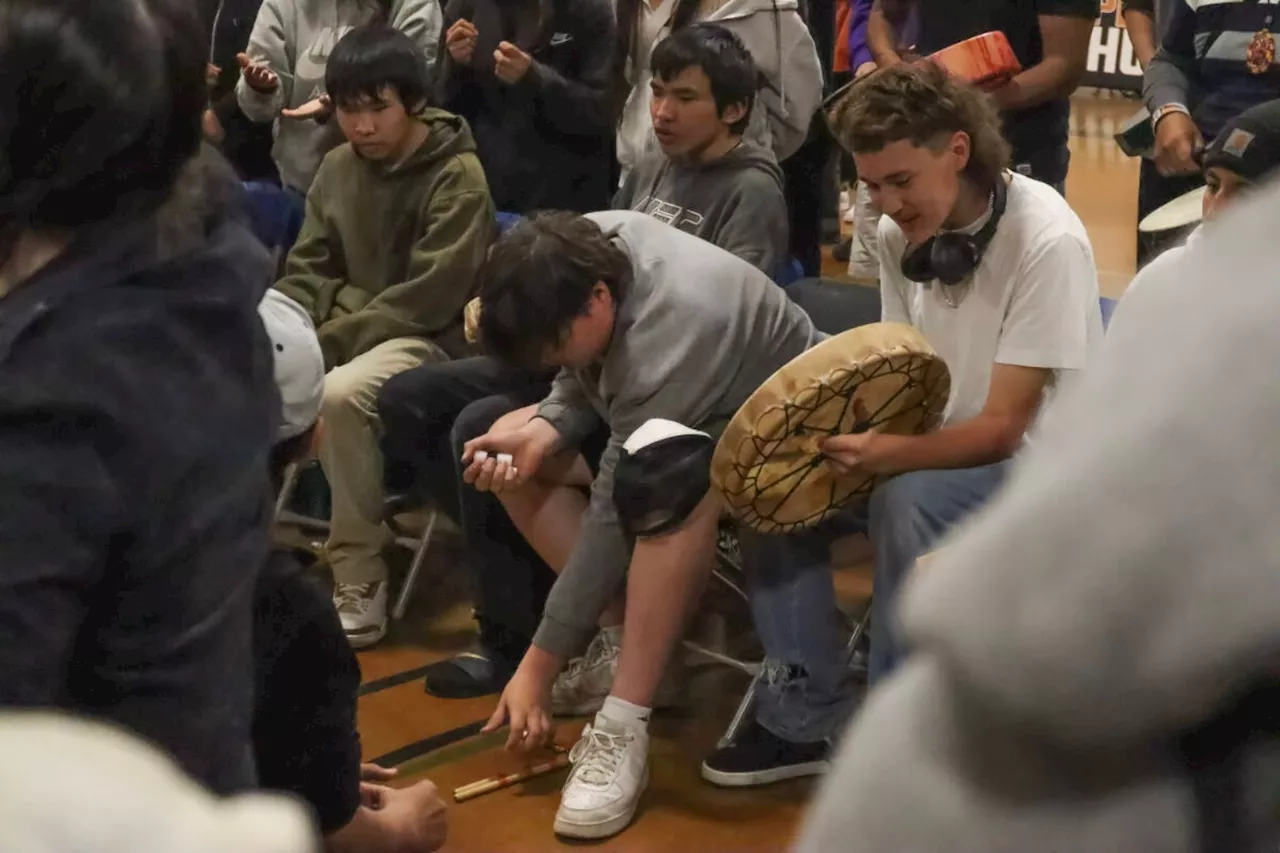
column 560, row 38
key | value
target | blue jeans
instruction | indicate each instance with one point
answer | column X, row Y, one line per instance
column 808, row 692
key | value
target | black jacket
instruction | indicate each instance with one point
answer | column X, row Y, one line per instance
column 305, row 739
column 246, row 143
column 546, row 143
column 137, row 410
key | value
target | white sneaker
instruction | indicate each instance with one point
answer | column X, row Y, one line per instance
column 585, row 682
column 362, row 607
column 610, row 772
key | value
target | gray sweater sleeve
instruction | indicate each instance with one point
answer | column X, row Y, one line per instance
column 267, row 44
column 1169, row 77
column 422, row 21
column 595, row 571
column 568, row 410
column 598, row 564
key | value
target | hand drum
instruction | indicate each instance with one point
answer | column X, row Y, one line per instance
column 987, row 61
column 767, row 466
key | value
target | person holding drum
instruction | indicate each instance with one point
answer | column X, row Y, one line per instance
column 997, row 273
column 646, row 323
column 1050, row 39
column 1215, row 61
column 1245, row 153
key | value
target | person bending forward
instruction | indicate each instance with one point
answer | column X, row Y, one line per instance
column 646, row 322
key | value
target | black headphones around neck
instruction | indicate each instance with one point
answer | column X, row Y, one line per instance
column 950, row 257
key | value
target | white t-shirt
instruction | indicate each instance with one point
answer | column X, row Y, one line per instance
column 1032, row 301
column 1162, row 267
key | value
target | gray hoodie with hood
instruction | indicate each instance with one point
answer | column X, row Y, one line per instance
column 1117, row 595
column 734, row 201
column 778, row 40
column 294, row 38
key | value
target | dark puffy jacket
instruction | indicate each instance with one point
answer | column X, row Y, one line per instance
column 546, row 143
column 137, row 410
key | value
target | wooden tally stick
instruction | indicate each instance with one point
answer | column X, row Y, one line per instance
column 497, row 783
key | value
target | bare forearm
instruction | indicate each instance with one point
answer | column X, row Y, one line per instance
column 1055, row 77
column 366, row 832
column 981, row 441
column 880, row 39
column 1142, row 32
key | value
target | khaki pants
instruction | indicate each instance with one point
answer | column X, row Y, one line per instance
column 352, row 459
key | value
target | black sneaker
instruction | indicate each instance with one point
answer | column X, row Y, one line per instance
column 759, row 757
column 465, row 676
column 482, row 670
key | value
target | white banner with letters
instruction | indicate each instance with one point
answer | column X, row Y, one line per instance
column 1111, row 63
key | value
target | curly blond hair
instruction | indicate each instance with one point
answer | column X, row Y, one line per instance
column 922, row 103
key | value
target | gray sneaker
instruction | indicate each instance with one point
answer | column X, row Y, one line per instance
column 362, row 608
column 585, row 682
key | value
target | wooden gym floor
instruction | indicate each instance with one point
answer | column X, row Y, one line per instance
column 400, row 722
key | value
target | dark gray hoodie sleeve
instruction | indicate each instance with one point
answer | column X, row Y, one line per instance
column 580, row 105
column 754, row 226
column 1169, row 77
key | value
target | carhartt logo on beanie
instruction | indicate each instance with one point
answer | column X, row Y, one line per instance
column 1249, row 144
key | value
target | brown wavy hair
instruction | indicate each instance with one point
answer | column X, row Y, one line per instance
column 922, row 103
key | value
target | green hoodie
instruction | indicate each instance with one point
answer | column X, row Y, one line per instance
column 392, row 252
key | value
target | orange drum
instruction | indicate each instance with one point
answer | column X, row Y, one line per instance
column 986, row 61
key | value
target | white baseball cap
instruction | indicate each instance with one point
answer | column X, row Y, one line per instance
column 299, row 362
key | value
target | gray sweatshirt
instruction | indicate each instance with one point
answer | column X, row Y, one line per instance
column 697, row 332
column 735, row 202
column 1120, row 591
column 778, row 39
column 295, row 38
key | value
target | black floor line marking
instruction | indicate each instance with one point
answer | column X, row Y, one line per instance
column 396, row 757
column 396, row 680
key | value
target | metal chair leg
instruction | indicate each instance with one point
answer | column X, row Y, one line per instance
column 742, row 714
column 748, row 703
column 419, row 559
column 287, row 488
column 292, row 474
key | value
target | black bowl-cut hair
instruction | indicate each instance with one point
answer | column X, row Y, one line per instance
column 375, row 57
column 722, row 57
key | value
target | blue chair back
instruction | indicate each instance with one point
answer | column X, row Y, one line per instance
column 788, row 273
column 1108, row 307
column 275, row 215
column 506, row 221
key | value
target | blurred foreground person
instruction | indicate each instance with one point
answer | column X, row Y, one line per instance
column 305, row 739
column 1244, row 154
column 1094, row 656
column 71, row 785
column 137, row 405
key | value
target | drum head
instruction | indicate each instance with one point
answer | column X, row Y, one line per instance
column 1186, row 209
column 767, row 465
